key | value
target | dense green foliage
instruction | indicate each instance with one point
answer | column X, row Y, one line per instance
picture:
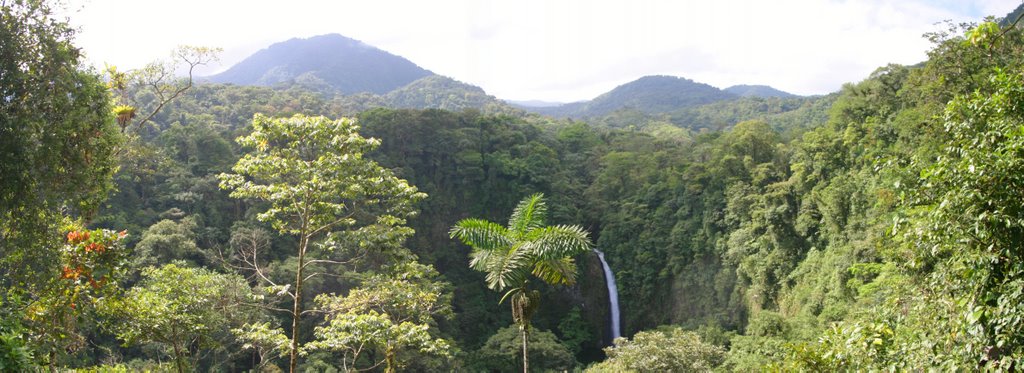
column 664, row 350
column 185, row 312
column 877, row 228
column 438, row 92
column 500, row 352
column 57, row 138
column 390, row 314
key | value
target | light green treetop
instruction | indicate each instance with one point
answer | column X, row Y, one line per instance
column 320, row 188
column 311, row 170
column 389, row 313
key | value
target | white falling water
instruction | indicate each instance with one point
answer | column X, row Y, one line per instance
column 613, row 295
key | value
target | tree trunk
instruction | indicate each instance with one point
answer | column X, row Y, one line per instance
column 177, row 357
column 525, row 331
column 389, row 358
column 297, row 307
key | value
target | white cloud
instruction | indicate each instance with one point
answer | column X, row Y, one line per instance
column 554, row 50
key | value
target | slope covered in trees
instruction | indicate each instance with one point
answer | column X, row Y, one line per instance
column 341, row 63
column 874, row 229
column 649, row 95
column 764, row 91
column 438, row 92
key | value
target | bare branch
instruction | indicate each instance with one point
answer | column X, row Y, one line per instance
column 268, row 308
column 159, row 77
column 329, row 261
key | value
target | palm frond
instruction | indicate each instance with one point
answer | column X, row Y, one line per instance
column 481, row 260
column 481, row 234
column 511, row 293
column 528, row 214
column 557, row 271
column 557, row 241
column 509, row 270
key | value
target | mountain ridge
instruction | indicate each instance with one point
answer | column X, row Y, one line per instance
column 368, row 77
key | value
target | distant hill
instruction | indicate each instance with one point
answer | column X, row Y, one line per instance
column 346, row 65
column 787, row 115
column 431, row 92
column 648, row 95
column 1013, row 16
column 440, row 92
column 762, row 91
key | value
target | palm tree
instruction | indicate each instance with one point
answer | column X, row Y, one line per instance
column 508, row 255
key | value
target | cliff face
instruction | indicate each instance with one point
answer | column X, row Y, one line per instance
column 594, row 299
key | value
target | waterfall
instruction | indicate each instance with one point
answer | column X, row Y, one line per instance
column 613, row 295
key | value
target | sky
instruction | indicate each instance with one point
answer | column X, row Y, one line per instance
column 556, row 50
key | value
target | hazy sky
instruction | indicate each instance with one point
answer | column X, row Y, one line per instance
column 556, row 50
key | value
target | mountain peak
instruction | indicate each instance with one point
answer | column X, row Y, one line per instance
column 345, row 64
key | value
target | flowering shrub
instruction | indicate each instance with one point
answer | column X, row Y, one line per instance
column 90, row 258
column 90, row 263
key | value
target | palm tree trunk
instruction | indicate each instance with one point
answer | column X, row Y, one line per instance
column 525, row 331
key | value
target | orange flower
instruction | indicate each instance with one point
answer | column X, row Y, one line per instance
column 95, row 247
column 73, row 237
column 123, row 233
column 68, row 273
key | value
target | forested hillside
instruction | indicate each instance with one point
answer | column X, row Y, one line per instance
column 649, row 95
column 744, row 90
column 283, row 228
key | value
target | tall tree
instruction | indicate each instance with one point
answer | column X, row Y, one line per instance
column 57, row 137
column 312, row 174
column 508, row 255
